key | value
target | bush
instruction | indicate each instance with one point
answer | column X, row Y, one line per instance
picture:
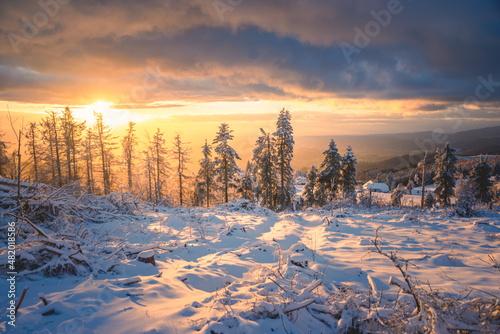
column 397, row 195
column 429, row 200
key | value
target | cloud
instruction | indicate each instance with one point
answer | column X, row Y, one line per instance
column 142, row 52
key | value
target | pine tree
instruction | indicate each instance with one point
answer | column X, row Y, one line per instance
column 466, row 198
column 181, row 154
column 284, row 156
column 129, row 142
column 329, row 177
column 397, row 195
column 225, row 163
column 205, row 184
column 429, row 200
column 445, row 174
column 310, row 187
column 348, row 174
column 480, row 178
column 264, row 158
column 247, row 187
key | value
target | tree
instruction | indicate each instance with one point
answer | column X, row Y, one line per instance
column 181, row 154
column 71, row 136
column 4, row 157
column 397, row 195
column 348, row 174
column 52, row 136
column 205, row 177
column 225, row 163
column 284, row 154
column 480, row 178
column 158, row 165
column 105, row 144
column 264, row 159
column 310, row 187
column 129, row 142
column 247, row 187
column 33, row 150
column 329, row 177
column 88, row 155
column 466, row 198
column 445, row 174
column 429, row 200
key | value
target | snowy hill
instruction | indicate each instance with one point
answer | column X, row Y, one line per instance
column 241, row 269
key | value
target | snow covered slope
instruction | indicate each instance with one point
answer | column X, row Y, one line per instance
column 234, row 270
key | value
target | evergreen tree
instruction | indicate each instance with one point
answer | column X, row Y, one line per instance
column 205, row 185
column 265, row 169
column 397, row 195
column 445, row 174
column 466, row 198
column 247, row 187
column 329, row 177
column 225, row 163
column 284, row 156
column 181, row 154
column 348, row 174
column 480, row 178
column 310, row 187
column 129, row 142
column 429, row 200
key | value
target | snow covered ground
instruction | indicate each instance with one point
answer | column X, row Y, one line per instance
column 235, row 270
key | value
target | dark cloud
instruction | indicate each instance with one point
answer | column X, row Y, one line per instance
column 430, row 50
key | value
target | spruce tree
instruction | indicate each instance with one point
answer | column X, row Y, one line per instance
column 247, row 187
column 310, row 187
column 348, row 174
column 284, row 156
column 225, row 161
column 329, row 177
column 480, row 178
column 205, row 185
column 264, row 159
column 445, row 174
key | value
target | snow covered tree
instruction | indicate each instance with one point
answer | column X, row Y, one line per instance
column 88, row 155
column 429, row 200
column 397, row 195
column 348, row 174
column 71, row 132
column 181, row 154
column 329, row 177
column 265, row 169
column 247, row 188
column 129, row 142
column 205, row 178
column 466, row 198
column 284, row 156
column 32, row 136
column 480, row 178
column 445, row 174
column 310, row 187
column 225, row 161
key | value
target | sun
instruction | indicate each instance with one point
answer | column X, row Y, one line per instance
column 112, row 117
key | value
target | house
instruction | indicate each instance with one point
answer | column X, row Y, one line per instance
column 428, row 189
column 376, row 187
column 301, row 180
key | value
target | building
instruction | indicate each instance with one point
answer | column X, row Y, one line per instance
column 376, row 187
column 428, row 189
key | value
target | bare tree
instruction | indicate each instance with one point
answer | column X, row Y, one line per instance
column 129, row 141
column 181, row 154
column 105, row 144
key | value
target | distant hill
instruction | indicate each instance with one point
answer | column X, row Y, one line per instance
column 389, row 150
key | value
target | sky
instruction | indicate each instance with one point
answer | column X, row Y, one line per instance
column 340, row 67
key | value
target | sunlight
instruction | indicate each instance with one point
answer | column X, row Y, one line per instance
column 112, row 117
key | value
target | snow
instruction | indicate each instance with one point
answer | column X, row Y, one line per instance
column 233, row 270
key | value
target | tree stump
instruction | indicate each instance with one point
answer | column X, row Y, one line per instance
column 147, row 257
